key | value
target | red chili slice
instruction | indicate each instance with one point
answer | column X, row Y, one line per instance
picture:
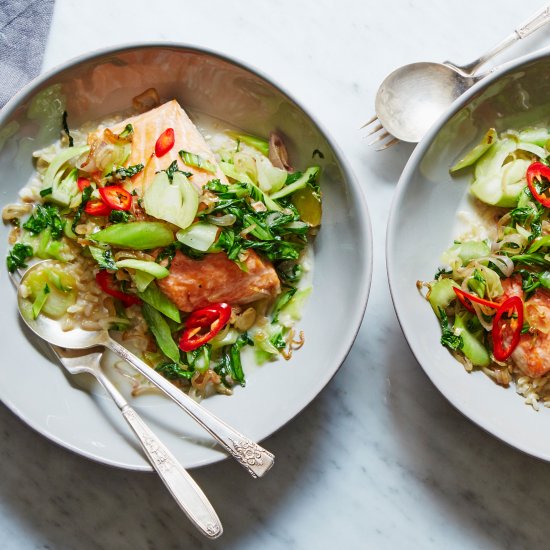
column 538, row 171
column 106, row 282
column 165, row 142
column 501, row 328
column 83, row 183
column 203, row 324
column 96, row 207
column 466, row 298
column 116, row 197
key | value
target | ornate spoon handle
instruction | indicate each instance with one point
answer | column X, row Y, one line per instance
column 255, row 459
column 537, row 20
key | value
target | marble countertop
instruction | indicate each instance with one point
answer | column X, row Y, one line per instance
column 380, row 459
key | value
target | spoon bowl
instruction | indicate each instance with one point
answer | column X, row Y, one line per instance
column 50, row 329
column 413, row 97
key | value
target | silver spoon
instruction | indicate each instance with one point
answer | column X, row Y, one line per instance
column 413, row 97
column 255, row 459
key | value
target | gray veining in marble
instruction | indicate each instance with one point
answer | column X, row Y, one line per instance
column 379, row 459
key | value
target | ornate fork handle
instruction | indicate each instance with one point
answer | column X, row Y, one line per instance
column 180, row 484
column 254, row 458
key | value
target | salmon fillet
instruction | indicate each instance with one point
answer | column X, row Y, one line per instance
column 147, row 129
column 196, row 283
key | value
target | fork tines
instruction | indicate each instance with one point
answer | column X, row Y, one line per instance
column 383, row 139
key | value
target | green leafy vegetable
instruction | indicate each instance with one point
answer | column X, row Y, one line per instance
column 136, row 235
column 448, row 338
column 309, row 177
column 281, row 302
column 86, row 194
column 174, row 371
column 150, row 267
column 103, row 257
column 45, row 217
column 122, row 173
column 235, row 363
column 119, row 216
column 199, row 359
column 153, row 296
column 260, row 144
column 161, row 331
column 39, row 301
column 197, row 162
column 173, row 169
column 46, row 192
column 18, row 255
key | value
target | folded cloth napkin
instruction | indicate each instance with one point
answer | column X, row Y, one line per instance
column 24, row 26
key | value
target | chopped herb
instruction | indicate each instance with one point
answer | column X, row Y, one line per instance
column 448, row 337
column 46, row 192
column 17, row 256
column 119, row 216
column 122, row 173
column 317, row 153
column 43, row 217
column 66, row 129
column 172, row 169
column 86, row 194
column 127, row 132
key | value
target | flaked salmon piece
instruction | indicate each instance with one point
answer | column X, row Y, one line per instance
column 532, row 355
column 147, row 129
column 196, row 283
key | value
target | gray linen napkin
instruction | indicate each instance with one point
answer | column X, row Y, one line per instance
column 24, row 26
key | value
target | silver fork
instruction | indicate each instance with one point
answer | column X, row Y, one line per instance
column 181, row 485
column 380, row 137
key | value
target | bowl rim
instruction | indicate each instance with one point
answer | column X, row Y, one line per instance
column 391, row 230
column 358, row 195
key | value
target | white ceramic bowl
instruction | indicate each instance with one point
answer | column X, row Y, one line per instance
column 35, row 388
column 422, row 226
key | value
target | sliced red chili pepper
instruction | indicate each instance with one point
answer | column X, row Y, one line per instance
column 83, row 183
column 165, row 142
column 538, row 171
column 203, row 324
column 116, row 197
column 96, row 207
column 466, row 298
column 501, row 328
column 106, row 282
